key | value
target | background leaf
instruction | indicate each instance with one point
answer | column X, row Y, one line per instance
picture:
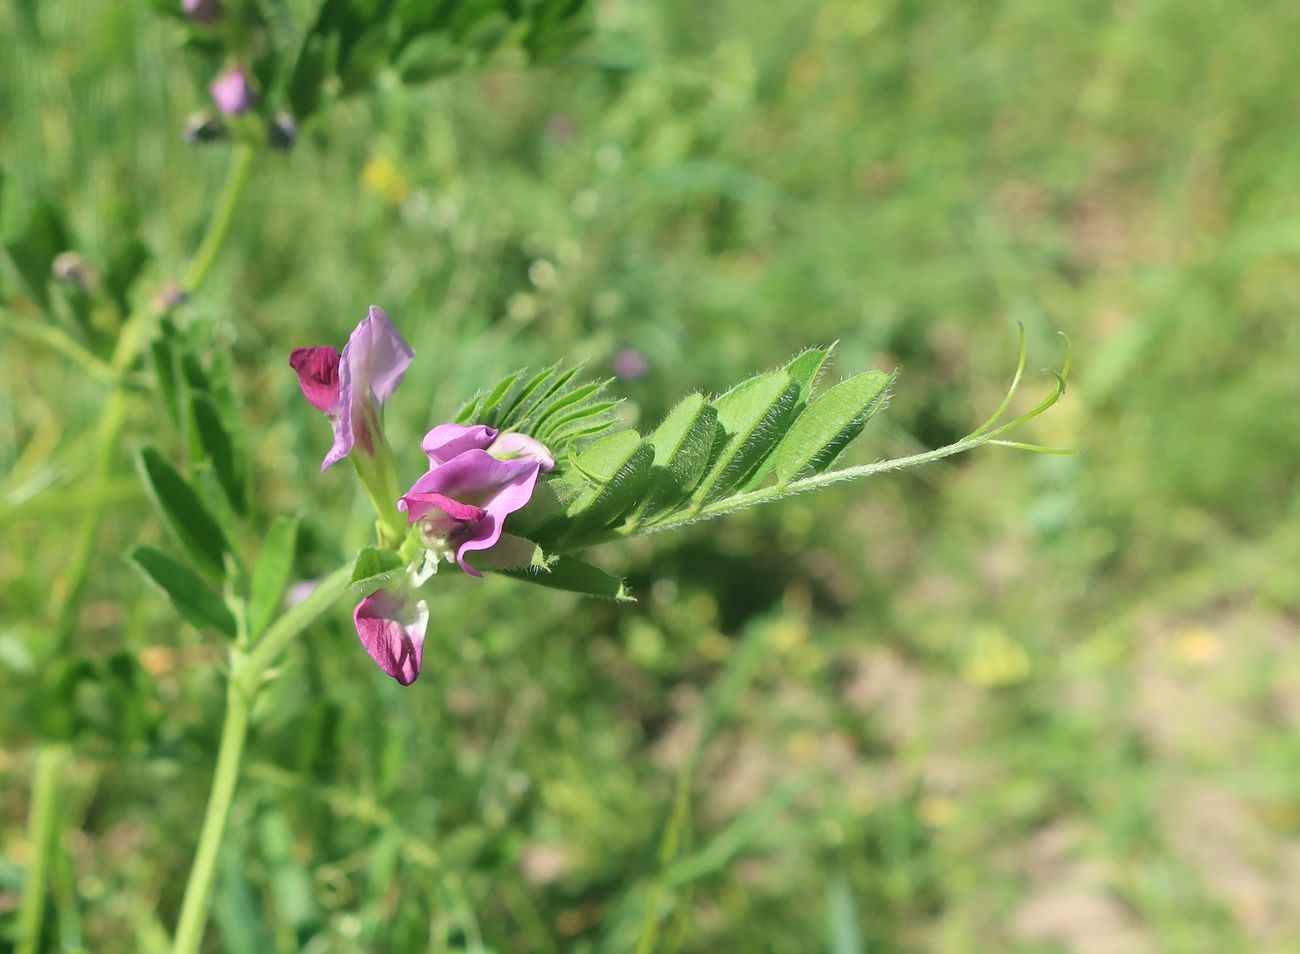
column 183, row 512
column 271, row 573
column 199, row 605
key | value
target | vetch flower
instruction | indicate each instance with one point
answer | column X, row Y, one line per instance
column 350, row 388
column 629, row 364
column 232, row 92
column 461, row 504
column 391, row 626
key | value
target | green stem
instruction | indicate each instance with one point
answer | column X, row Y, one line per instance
column 130, row 344
column 198, row 890
column 42, row 828
column 246, row 676
column 293, row 622
column 241, row 164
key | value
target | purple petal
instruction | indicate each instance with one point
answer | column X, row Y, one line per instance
column 494, row 488
column 232, row 92
column 418, row 505
column 318, row 376
column 370, row 369
column 377, row 355
column 516, row 446
column 393, row 633
column 486, row 533
column 477, row 478
column 447, row 440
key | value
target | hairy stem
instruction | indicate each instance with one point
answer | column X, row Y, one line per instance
column 246, row 675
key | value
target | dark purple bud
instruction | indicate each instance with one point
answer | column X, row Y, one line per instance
column 629, row 364
column 70, row 267
column 282, row 131
column 169, row 297
column 203, row 11
column 232, row 92
column 203, row 126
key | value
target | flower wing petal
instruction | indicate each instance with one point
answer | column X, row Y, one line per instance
column 393, row 633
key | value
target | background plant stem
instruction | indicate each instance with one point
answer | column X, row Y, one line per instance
column 42, row 827
column 246, row 675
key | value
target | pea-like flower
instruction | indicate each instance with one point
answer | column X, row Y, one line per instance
column 391, row 626
column 232, row 92
column 476, row 479
column 350, row 388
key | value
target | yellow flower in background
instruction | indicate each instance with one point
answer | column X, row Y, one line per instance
column 381, row 177
column 1198, row 646
column 993, row 659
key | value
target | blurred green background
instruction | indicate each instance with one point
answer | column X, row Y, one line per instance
column 1005, row 703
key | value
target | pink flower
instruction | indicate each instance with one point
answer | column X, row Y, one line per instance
column 476, row 479
column 351, row 387
column 232, row 92
column 391, row 627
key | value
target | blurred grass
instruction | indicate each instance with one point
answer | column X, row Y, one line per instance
column 1005, row 703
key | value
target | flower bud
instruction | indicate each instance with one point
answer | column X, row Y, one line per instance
column 72, row 268
column 202, row 11
column 203, row 126
column 281, row 131
column 232, row 92
column 170, row 296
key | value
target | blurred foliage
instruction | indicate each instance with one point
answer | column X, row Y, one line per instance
column 997, row 704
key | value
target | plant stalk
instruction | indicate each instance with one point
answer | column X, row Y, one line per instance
column 246, row 677
column 42, row 831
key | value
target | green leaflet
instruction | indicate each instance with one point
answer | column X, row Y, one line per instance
column 483, row 413
column 619, row 465
column 829, row 424
column 752, row 417
column 804, row 369
column 184, row 513
column 199, row 605
column 682, row 443
column 375, row 567
column 575, row 576
column 575, row 400
column 165, row 369
column 551, row 498
column 511, row 552
column 271, row 574
column 219, row 446
column 545, row 405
